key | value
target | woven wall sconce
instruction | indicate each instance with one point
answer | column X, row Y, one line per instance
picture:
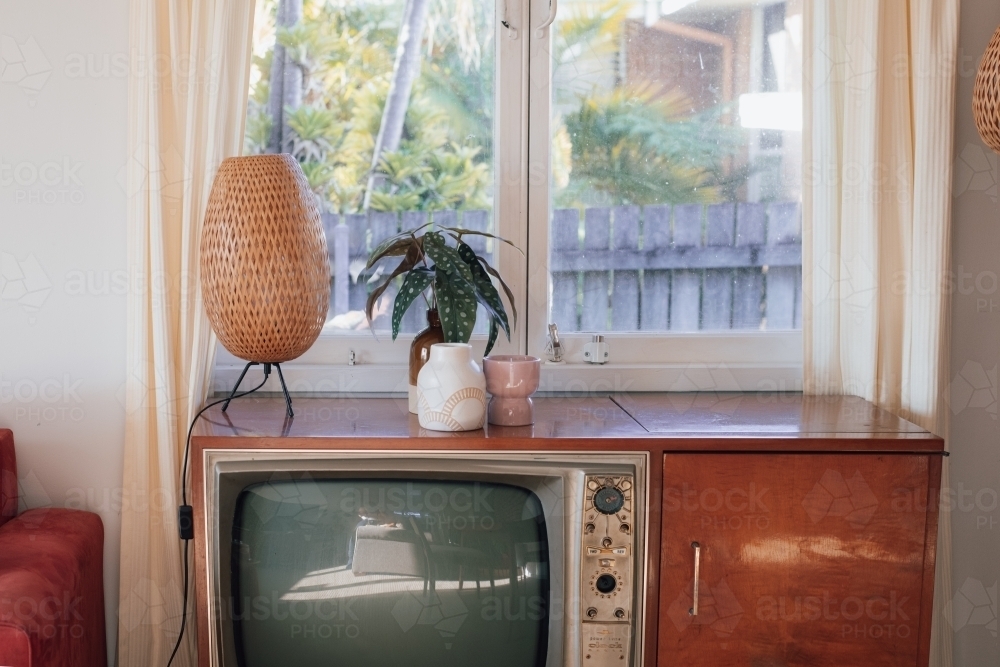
column 986, row 95
column 265, row 272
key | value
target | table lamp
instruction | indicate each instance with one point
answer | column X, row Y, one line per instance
column 265, row 272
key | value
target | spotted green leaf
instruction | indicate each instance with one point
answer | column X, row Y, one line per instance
column 414, row 284
column 408, row 262
column 486, row 293
column 494, row 333
column 510, row 295
column 456, row 305
column 446, row 259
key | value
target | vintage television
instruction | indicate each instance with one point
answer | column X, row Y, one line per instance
column 423, row 559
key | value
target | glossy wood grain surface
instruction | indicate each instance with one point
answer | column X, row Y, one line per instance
column 734, row 422
column 806, row 560
column 564, row 417
column 776, row 414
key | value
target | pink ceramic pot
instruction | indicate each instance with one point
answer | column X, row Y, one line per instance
column 511, row 379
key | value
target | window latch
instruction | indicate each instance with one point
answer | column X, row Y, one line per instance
column 553, row 348
column 596, row 351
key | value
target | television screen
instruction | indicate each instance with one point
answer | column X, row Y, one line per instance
column 415, row 572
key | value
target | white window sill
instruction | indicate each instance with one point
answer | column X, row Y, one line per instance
column 728, row 362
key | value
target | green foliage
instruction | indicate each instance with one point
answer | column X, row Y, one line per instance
column 258, row 130
column 458, row 277
column 457, row 79
column 632, row 144
column 639, row 148
column 591, row 28
column 424, row 179
column 346, row 52
column 627, row 145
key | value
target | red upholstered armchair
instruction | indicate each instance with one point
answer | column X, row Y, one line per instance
column 51, row 580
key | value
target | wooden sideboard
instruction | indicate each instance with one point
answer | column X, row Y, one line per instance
column 815, row 517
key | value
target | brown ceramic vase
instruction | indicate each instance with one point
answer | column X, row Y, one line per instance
column 420, row 352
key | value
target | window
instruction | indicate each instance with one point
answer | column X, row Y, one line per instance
column 645, row 155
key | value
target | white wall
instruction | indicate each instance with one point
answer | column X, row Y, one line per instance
column 62, row 238
column 975, row 352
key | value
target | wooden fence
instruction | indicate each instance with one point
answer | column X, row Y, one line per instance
column 655, row 268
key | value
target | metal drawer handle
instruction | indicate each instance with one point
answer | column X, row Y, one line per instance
column 697, row 573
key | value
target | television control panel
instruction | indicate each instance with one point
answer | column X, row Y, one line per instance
column 607, row 570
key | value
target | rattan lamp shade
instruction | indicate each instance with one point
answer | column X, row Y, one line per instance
column 986, row 95
column 265, row 273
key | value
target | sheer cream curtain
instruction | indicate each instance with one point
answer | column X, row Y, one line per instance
column 190, row 63
column 879, row 106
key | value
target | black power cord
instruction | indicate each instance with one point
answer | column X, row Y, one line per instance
column 185, row 513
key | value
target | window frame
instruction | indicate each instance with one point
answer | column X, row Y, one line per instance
column 641, row 361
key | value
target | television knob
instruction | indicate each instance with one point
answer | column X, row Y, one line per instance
column 606, row 583
column 609, row 499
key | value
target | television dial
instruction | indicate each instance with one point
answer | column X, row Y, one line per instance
column 606, row 583
column 609, row 500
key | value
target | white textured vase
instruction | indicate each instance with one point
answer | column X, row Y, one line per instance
column 451, row 390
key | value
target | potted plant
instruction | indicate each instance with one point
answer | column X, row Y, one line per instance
column 438, row 262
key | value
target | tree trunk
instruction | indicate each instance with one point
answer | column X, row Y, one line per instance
column 286, row 80
column 404, row 74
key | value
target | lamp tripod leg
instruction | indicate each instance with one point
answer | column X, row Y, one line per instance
column 236, row 388
column 284, row 389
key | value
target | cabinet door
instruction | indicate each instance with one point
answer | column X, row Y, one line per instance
column 813, row 560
